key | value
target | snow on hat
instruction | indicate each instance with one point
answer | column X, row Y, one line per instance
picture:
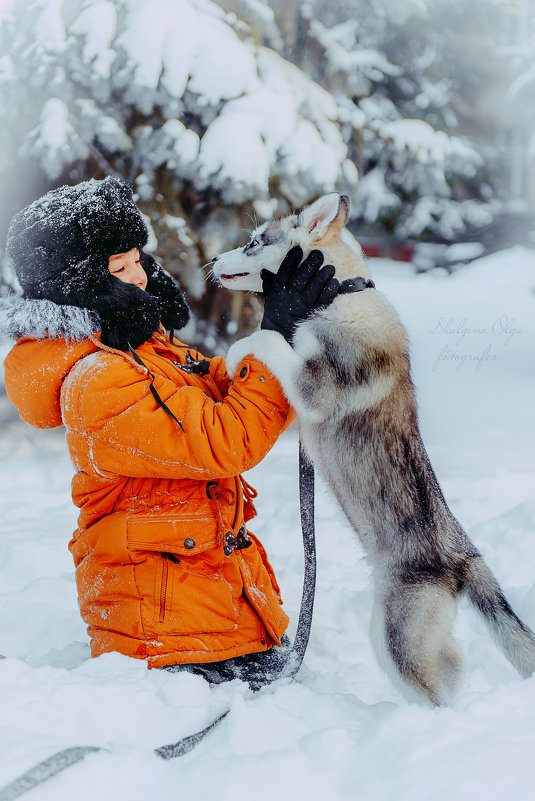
column 63, row 228
column 59, row 247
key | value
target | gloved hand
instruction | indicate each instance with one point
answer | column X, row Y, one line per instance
column 131, row 321
column 128, row 315
column 296, row 290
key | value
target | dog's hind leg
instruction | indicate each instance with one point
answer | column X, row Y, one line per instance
column 417, row 639
column 451, row 664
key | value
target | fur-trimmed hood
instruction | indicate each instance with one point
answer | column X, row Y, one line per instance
column 39, row 319
column 51, row 340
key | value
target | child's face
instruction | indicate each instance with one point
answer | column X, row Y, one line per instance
column 127, row 267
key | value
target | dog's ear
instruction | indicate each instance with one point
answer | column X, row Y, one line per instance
column 328, row 212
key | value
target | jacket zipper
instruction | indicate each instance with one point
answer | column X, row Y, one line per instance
column 163, row 586
column 166, row 558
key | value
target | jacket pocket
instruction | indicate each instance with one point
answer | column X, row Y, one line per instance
column 180, row 574
column 184, row 536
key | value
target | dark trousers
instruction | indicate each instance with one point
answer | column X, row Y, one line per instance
column 255, row 669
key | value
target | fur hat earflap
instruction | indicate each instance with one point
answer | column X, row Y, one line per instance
column 174, row 309
column 59, row 246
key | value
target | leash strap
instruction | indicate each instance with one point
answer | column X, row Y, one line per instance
column 187, row 744
column 45, row 770
column 302, row 635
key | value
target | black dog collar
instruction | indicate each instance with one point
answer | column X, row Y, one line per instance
column 355, row 285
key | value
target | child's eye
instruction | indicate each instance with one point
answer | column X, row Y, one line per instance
column 118, row 270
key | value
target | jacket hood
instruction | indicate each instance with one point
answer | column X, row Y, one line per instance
column 51, row 339
column 20, row 317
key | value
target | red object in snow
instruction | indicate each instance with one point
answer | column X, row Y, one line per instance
column 383, row 249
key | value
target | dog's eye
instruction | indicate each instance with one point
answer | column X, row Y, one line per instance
column 252, row 244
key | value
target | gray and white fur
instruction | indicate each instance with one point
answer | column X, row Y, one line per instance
column 347, row 375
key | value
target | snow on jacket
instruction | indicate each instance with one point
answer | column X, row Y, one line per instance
column 157, row 503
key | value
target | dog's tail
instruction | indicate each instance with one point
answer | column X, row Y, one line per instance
column 512, row 636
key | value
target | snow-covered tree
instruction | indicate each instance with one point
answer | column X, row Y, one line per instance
column 518, row 125
column 411, row 70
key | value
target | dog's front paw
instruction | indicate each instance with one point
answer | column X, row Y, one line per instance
column 235, row 354
column 266, row 346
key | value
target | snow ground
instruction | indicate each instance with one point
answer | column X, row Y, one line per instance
column 342, row 731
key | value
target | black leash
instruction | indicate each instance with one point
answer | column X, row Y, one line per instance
column 70, row 756
column 45, row 770
column 304, row 624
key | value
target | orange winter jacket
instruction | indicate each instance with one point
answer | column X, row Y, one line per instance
column 158, row 504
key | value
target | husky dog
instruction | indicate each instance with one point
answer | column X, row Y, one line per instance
column 347, row 375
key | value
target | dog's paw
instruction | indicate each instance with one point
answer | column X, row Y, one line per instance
column 266, row 346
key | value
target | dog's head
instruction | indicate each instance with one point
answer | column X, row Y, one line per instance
column 316, row 226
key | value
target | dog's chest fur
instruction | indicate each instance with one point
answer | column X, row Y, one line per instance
column 347, row 376
column 358, row 412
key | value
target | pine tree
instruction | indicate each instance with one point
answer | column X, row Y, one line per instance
column 408, row 75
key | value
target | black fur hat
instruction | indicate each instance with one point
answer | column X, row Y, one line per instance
column 59, row 247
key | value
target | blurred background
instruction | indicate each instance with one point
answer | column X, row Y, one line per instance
column 224, row 114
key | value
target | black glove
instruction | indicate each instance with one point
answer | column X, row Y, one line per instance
column 132, row 319
column 128, row 315
column 296, row 290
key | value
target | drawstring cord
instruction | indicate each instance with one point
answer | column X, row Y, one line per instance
column 230, row 542
column 141, row 367
column 100, row 345
column 152, row 388
column 249, row 492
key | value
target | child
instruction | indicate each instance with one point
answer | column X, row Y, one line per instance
column 159, row 436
